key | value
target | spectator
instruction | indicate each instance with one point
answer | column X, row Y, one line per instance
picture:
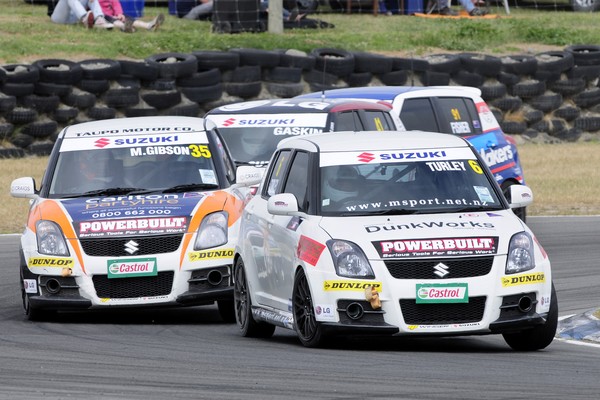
column 87, row 12
column 468, row 5
column 205, row 7
column 113, row 12
column 202, row 11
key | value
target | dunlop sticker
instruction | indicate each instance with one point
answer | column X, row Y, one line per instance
column 50, row 262
column 210, row 254
column 525, row 279
column 354, row 286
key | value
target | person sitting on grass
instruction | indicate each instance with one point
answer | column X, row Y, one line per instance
column 468, row 5
column 113, row 12
column 87, row 12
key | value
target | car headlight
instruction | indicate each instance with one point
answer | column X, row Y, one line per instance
column 212, row 231
column 520, row 254
column 50, row 239
column 349, row 260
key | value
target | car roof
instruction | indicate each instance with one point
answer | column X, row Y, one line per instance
column 298, row 105
column 133, row 126
column 390, row 92
column 373, row 141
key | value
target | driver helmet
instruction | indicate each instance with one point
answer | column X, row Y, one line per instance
column 94, row 164
column 254, row 146
column 340, row 182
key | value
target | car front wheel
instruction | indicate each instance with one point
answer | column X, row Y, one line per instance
column 243, row 306
column 539, row 337
column 309, row 330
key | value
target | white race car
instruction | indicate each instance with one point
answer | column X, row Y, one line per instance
column 392, row 233
column 132, row 212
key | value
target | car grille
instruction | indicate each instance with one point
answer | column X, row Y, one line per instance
column 126, row 288
column 115, row 247
column 442, row 313
column 424, row 269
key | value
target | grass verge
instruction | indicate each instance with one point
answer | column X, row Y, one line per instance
column 27, row 34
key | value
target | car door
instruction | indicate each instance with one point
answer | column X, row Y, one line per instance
column 282, row 235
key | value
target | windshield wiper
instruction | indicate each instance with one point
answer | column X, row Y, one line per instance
column 190, row 186
column 108, row 192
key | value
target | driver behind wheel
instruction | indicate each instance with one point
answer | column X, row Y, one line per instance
column 339, row 183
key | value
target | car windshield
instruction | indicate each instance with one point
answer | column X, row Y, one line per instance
column 133, row 170
column 388, row 188
column 256, row 145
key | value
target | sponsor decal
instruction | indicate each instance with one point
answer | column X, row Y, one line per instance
column 273, row 318
column 130, row 300
column 120, row 227
column 50, row 262
column 127, row 140
column 366, row 157
column 392, row 156
column 152, row 129
column 442, row 293
column 134, row 267
column 524, row 279
column 127, row 207
column 497, row 155
column 294, row 223
column 464, row 246
column 210, row 254
column 427, row 225
column 101, row 143
column 444, row 326
column 325, row 312
column 309, row 250
column 353, row 286
column 30, row 285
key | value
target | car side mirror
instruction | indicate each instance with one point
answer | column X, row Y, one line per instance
column 249, row 175
column 23, row 188
column 283, row 204
column 520, row 196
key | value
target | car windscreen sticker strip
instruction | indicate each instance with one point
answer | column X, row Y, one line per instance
column 113, row 142
column 392, row 156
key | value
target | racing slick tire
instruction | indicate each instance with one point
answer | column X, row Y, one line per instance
column 243, row 306
column 539, row 337
column 310, row 332
column 520, row 212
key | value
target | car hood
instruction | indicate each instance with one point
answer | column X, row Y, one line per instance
column 433, row 235
column 124, row 216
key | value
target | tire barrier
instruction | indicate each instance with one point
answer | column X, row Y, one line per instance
column 556, row 93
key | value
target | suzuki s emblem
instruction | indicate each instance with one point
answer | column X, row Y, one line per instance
column 131, row 247
column 441, row 270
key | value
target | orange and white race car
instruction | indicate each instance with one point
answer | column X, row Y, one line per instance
column 132, row 212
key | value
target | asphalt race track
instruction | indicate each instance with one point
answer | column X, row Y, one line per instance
column 190, row 354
